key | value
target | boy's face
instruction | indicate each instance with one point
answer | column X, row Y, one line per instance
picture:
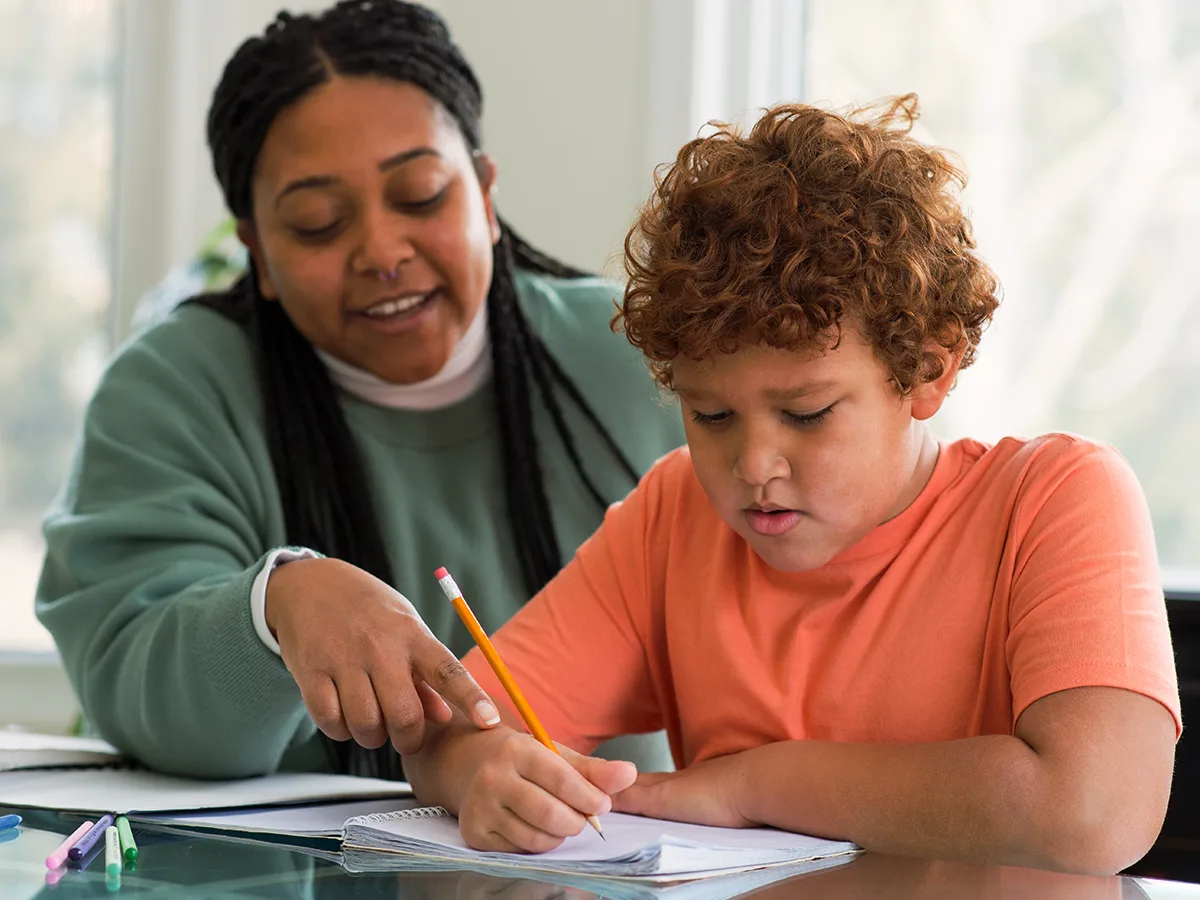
column 803, row 454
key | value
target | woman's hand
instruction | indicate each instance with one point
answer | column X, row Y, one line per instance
column 368, row 667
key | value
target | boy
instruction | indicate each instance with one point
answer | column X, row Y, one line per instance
column 847, row 628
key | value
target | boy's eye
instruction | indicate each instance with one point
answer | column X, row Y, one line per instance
column 709, row 418
column 813, row 418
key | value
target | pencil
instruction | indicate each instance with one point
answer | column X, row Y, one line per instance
column 450, row 589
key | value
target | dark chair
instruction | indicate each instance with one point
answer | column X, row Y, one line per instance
column 1176, row 853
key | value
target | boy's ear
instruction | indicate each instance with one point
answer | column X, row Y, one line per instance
column 247, row 235
column 928, row 397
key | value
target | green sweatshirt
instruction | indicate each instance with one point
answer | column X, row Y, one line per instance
column 171, row 507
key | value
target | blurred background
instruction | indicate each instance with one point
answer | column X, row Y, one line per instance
column 1078, row 121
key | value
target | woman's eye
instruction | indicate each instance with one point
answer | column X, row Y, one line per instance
column 426, row 204
column 314, row 234
column 814, row 418
column 709, row 418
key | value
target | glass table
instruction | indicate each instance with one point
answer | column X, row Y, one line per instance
column 175, row 865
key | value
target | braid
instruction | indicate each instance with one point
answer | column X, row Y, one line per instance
column 324, row 490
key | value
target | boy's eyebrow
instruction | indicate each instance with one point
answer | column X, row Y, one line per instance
column 776, row 394
column 800, row 390
column 326, row 180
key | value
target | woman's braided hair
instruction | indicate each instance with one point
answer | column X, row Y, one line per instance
column 326, row 500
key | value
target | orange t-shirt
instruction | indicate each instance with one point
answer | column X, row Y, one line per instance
column 1020, row 570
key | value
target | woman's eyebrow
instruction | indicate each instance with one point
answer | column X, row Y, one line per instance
column 317, row 181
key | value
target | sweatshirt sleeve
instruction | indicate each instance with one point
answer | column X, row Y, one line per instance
column 153, row 545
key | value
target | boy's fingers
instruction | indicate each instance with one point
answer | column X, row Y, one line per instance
column 522, row 836
column 544, row 812
column 442, row 671
column 558, row 778
column 609, row 776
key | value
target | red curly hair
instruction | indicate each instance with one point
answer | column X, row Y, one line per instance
column 776, row 236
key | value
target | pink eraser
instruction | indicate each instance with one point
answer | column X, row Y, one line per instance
column 440, row 573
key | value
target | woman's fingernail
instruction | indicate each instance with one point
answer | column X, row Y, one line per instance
column 487, row 712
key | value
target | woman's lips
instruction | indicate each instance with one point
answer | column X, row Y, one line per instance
column 406, row 320
column 774, row 523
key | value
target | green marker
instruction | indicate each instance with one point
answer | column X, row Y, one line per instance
column 128, row 847
column 112, row 851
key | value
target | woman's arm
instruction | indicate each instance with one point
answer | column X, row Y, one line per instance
column 152, row 548
column 1081, row 786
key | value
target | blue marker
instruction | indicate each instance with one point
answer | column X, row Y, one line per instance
column 9, row 822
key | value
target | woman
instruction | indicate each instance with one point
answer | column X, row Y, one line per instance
column 398, row 383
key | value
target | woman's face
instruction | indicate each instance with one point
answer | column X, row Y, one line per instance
column 373, row 225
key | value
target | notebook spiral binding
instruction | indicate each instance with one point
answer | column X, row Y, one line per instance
column 421, row 812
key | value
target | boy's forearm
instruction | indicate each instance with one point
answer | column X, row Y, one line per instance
column 987, row 798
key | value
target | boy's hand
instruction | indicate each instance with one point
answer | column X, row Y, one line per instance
column 521, row 798
column 707, row 793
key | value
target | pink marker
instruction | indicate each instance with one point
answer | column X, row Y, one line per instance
column 58, row 858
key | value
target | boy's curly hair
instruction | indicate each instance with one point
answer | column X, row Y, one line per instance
column 776, row 236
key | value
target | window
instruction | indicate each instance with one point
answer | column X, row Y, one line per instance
column 1079, row 125
column 56, row 151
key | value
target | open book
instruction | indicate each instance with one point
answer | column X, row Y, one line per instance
column 25, row 750
column 86, row 790
column 636, row 847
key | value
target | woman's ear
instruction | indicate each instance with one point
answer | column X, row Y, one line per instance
column 485, row 169
column 248, row 236
column 929, row 396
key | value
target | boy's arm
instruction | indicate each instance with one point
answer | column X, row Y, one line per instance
column 1082, row 786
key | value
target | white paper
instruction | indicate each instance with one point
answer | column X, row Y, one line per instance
column 131, row 790
column 635, row 846
column 23, row 750
column 323, row 820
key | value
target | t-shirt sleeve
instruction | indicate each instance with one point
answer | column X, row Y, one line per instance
column 578, row 650
column 1087, row 607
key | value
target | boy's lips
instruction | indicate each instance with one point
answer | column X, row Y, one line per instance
column 772, row 522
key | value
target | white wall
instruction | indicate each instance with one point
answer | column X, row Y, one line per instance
column 565, row 114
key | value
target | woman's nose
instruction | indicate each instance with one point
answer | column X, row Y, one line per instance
column 384, row 244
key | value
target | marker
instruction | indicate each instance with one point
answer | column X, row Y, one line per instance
column 58, row 858
column 9, row 822
column 88, row 841
column 112, row 850
column 128, row 845
column 93, row 854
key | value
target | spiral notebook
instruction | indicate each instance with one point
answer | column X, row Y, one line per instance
column 636, row 847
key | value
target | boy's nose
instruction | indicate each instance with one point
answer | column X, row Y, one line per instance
column 760, row 462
